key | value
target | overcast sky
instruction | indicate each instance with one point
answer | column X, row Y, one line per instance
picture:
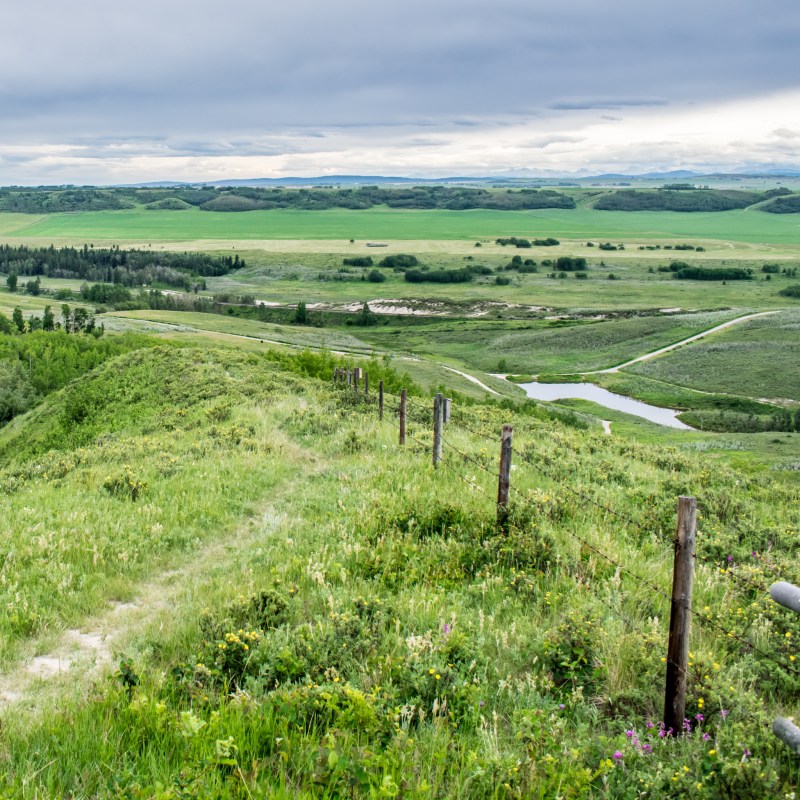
column 109, row 92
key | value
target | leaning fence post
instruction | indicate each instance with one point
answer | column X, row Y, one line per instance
column 380, row 400
column 403, row 417
column 680, row 615
column 438, row 417
column 504, row 481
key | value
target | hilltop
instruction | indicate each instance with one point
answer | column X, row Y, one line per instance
column 285, row 602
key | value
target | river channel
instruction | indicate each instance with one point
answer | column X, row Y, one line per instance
column 616, row 402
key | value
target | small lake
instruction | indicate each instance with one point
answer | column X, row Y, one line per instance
column 617, row 402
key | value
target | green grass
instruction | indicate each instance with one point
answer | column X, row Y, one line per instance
column 383, row 223
column 758, row 358
column 398, row 643
column 542, row 345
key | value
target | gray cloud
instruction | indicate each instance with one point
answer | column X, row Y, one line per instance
column 254, row 77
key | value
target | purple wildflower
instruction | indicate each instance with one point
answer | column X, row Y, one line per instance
column 561, row 705
column 650, row 724
column 706, row 737
column 699, row 717
column 446, row 628
column 724, row 713
column 617, row 755
column 629, row 734
column 730, row 559
column 647, row 748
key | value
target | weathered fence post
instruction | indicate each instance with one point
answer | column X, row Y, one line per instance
column 680, row 615
column 403, row 417
column 356, row 378
column 438, row 417
column 380, row 400
column 788, row 733
column 787, row 595
column 335, row 375
column 504, row 481
column 447, row 404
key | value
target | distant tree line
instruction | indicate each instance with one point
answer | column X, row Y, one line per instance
column 685, row 200
column 48, row 200
column 116, row 265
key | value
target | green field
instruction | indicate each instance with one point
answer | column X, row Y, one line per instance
column 543, row 345
column 759, row 358
column 383, row 223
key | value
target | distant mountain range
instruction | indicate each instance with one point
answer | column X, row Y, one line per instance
column 516, row 177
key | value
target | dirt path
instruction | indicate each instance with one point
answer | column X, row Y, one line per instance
column 666, row 349
column 471, row 378
column 82, row 655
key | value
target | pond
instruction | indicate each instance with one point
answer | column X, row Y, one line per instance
column 616, row 402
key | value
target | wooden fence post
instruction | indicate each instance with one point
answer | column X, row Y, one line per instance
column 787, row 595
column 438, row 417
column 504, row 481
column 335, row 375
column 447, row 404
column 356, row 378
column 680, row 615
column 403, row 417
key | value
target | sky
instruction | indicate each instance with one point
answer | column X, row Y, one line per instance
column 98, row 92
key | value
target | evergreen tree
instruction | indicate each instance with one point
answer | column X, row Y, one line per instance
column 48, row 319
column 18, row 320
column 11, row 282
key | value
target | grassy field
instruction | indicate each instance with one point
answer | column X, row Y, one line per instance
column 349, row 621
column 542, row 345
column 758, row 358
column 382, row 223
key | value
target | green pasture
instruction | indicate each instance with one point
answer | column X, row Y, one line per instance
column 758, row 358
column 542, row 345
column 142, row 225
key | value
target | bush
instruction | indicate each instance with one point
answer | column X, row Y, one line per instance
column 791, row 291
column 399, row 260
column 375, row 276
column 361, row 261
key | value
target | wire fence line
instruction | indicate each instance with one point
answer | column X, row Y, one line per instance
column 424, row 415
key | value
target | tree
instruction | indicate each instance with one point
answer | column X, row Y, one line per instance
column 366, row 316
column 11, row 282
column 65, row 318
column 301, row 315
column 48, row 319
column 18, row 320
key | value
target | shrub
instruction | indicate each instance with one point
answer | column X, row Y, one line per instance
column 791, row 291
column 361, row 261
column 375, row 276
column 399, row 260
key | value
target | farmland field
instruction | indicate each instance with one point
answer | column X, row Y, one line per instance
column 141, row 225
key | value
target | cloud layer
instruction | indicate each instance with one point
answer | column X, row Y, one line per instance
column 174, row 89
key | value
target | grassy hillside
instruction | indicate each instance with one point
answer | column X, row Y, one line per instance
column 318, row 612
